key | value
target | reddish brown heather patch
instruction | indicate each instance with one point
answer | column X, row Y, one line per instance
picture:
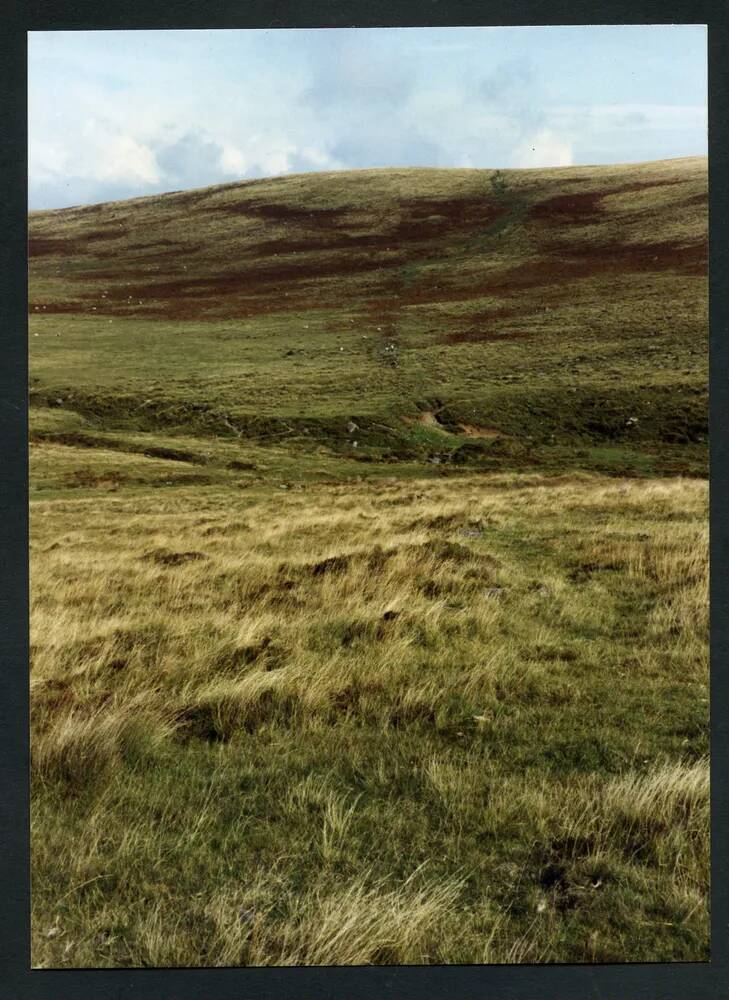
column 40, row 246
column 596, row 259
column 177, row 250
column 418, row 222
column 155, row 245
column 425, row 219
column 586, row 206
column 412, row 231
column 264, row 277
column 103, row 234
column 283, row 213
column 318, row 241
column 568, row 207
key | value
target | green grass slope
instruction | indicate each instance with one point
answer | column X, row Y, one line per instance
column 456, row 316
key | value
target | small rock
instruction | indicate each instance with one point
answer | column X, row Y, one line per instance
column 494, row 592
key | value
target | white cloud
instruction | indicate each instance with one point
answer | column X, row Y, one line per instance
column 276, row 161
column 318, row 158
column 46, row 160
column 98, row 151
column 544, row 149
column 233, row 162
column 122, row 113
column 125, row 159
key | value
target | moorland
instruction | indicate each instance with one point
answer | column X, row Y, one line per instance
column 369, row 570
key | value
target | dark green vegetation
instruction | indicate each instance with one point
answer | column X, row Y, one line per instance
column 369, row 571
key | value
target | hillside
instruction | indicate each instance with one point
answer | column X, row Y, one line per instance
column 369, row 562
column 552, row 315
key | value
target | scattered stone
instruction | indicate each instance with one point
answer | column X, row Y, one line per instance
column 494, row 592
column 352, row 427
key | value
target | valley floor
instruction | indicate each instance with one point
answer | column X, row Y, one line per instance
column 403, row 720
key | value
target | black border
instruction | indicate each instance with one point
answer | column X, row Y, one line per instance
column 649, row 981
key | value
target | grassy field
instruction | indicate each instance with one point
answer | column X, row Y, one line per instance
column 369, row 571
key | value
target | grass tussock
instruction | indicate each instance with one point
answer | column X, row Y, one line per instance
column 77, row 747
column 463, row 683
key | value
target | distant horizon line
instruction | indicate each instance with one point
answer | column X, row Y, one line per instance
column 246, row 181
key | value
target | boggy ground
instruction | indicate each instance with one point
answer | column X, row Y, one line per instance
column 398, row 721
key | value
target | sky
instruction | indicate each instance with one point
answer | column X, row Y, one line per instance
column 118, row 114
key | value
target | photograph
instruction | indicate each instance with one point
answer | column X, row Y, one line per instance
column 368, row 489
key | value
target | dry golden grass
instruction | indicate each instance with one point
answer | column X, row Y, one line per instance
column 469, row 715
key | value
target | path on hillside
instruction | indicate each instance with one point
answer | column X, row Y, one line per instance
column 408, row 381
